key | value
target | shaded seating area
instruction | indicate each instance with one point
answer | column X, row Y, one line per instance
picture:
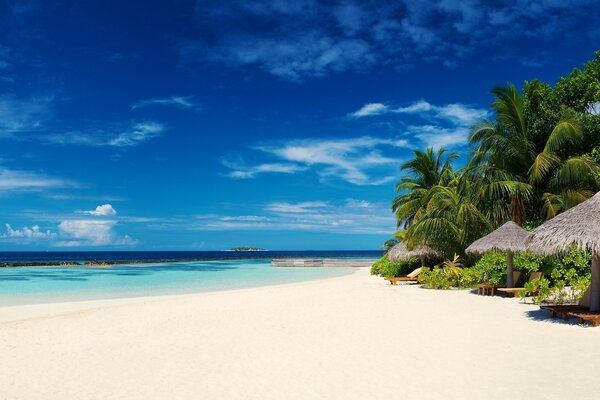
column 513, row 291
column 490, row 290
column 509, row 238
column 412, row 277
column 577, row 226
column 580, row 311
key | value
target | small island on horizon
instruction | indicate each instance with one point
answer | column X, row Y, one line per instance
column 246, row 249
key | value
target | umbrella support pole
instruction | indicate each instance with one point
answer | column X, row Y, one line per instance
column 595, row 284
column 509, row 269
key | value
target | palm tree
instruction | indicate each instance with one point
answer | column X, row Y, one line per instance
column 516, row 174
column 452, row 218
column 427, row 170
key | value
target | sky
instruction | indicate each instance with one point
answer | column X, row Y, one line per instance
column 204, row 125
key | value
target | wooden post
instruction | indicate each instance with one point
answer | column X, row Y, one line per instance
column 509, row 269
column 422, row 261
column 595, row 285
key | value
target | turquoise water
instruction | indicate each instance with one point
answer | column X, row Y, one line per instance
column 33, row 285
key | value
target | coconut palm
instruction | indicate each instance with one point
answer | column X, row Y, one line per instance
column 426, row 170
column 517, row 171
column 451, row 219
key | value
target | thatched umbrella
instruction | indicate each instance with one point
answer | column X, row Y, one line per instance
column 578, row 226
column 401, row 252
column 509, row 238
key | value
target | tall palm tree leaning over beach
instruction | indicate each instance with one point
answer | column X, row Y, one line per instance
column 518, row 172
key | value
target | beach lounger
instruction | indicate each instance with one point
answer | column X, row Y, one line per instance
column 564, row 310
column 580, row 311
column 512, row 292
column 412, row 277
column 486, row 288
column 593, row 317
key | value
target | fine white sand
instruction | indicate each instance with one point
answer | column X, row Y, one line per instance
column 352, row 337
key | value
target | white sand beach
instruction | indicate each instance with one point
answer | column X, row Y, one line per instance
column 352, row 337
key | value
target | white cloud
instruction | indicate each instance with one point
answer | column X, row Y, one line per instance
column 102, row 210
column 456, row 113
column 350, row 159
column 293, row 58
column 369, row 109
column 15, row 180
column 74, row 232
column 23, row 115
column 34, row 232
column 351, row 216
column 138, row 133
column 302, row 207
column 311, row 39
column 178, row 101
column 129, row 136
column 416, row 107
column 445, row 125
column 91, row 232
column 360, row 161
column 240, row 171
column 437, row 137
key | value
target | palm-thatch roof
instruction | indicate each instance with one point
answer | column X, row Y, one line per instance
column 578, row 226
column 401, row 252
column 509, row 237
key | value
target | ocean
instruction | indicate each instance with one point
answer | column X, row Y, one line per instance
column 176, row 273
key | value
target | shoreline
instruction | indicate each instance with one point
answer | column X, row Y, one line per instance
column 106, row 263
column 12, row 312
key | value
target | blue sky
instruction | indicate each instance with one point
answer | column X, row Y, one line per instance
column 204, row 125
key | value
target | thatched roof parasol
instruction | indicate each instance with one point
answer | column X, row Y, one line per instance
column 578, row 226
column 401, row 252
column 509, row 237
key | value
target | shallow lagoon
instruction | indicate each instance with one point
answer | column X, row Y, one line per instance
column 33, row 285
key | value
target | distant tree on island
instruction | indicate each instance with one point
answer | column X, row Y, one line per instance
column 246, row 249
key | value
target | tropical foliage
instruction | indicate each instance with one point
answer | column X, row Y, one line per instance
column 538, row 156
column 388, row 268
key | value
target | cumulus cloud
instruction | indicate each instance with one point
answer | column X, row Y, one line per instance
column 27, row 233
column 177, row 101
column 360, row 161
column 92, row 232
column 307, row 38
column 102, row 210
column 75, row 231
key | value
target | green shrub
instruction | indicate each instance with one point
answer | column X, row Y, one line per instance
column 388, row 268
column 491, row 268
column 444, row 276
column 576, row 260
column 568, row 287
column 440, row 278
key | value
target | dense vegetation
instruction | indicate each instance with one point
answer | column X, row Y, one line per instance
column 539, row 156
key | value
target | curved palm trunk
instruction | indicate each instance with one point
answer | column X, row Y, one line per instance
column 517, row 211
column 509, row 269
column 595, row 285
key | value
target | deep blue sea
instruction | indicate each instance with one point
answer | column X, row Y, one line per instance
column 186, row 272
